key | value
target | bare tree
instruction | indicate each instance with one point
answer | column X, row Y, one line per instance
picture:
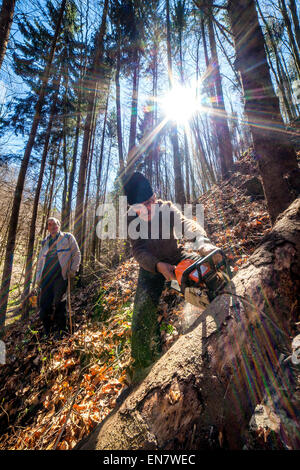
column 276, row 157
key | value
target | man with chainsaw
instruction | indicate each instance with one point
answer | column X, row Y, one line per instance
column 58, row 261
column 157, row 256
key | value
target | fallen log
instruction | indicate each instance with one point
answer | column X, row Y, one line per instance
column 202, row 393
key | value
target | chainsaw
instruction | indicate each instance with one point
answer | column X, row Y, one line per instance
column 202, row 280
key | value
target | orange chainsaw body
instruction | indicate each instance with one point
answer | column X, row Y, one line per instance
column 183, row 265
column 208, row 274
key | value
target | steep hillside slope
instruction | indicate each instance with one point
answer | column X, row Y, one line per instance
column 55, row 392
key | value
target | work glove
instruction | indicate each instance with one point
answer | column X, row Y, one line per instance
column 207, row 247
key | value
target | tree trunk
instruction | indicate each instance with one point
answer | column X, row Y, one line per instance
column 30, row 246
column 289, row 85
column 179, row 186
column 86, row 238
column 83, row 63
column 279, row 79
column 99, row 174
column 72, row 172
column 187, row 168
column 7, row 270
column 224, row 138
column 155, row 143
column 92, row 81
column 65, row 177
column 134, row 103
column 216, row 147
column 293, row 9
column 6, row 19
column 49, row 189
column 288, row 25
column 53, row 179
column 276, row 157
column 207, row 168
column 202, row 392
column 104, row 193
column 118, row 107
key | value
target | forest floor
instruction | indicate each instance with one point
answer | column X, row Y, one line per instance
column 54, row 392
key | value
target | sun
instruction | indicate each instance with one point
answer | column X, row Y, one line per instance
column 180, row 104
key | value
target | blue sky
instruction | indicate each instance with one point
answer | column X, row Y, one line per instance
column 11, row 85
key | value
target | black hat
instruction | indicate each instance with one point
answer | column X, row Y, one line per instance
column 137, row 189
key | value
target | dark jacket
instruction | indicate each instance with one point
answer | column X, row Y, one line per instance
column 148, row 252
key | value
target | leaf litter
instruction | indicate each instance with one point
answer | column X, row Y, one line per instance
column 54, row 392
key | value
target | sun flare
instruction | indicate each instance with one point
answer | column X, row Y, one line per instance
column 180, row 104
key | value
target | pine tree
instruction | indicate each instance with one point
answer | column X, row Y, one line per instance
column 8, row 263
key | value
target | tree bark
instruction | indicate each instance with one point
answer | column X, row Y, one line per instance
column 6, row 19
column 276, row 157
column 202, row 392
column 7, row 269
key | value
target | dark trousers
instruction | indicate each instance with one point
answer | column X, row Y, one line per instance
column 52, row 308
column 145, row 339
